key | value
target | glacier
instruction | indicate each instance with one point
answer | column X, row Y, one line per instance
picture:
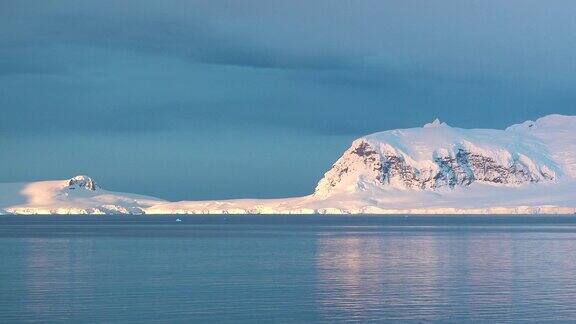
column 528, row 168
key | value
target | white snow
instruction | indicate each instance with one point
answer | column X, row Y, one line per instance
column 73, row 196
column 545, row 147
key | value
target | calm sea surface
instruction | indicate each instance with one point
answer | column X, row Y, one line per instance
column 287, row 269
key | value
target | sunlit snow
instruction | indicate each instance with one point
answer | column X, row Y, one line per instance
column 436, row 169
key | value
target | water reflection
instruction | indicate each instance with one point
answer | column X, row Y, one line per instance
column 365, row 274
column 57, row 276
column 441, row 275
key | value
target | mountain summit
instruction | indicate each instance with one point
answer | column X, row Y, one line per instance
column 82, row 181
column 438, row 156
column 436, row 123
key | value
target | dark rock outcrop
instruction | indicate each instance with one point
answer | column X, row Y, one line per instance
column 82, row 181
column 460, row 169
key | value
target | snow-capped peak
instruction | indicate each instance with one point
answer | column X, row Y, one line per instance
column 435, row 124
column 438, row 156
column 82, row 181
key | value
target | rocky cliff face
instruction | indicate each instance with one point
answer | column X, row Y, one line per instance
column 453, row 161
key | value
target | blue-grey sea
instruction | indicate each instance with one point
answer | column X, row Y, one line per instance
column 244, row 269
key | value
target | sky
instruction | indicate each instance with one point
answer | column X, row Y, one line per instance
column 233, row 99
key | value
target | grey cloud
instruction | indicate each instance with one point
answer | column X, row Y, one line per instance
column 195, row 40
column 27, row 61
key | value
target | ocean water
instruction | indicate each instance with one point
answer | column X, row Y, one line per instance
column 287, row 269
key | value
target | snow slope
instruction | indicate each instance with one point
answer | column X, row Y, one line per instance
column 79, row 195
column 527, row 168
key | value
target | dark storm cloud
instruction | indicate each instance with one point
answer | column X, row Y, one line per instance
column 449, row 36
column 463, row 38
column 193, row 39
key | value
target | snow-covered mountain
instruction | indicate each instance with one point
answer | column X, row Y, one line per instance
column 526, row 168
column 79, row 195
column 439, row 156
